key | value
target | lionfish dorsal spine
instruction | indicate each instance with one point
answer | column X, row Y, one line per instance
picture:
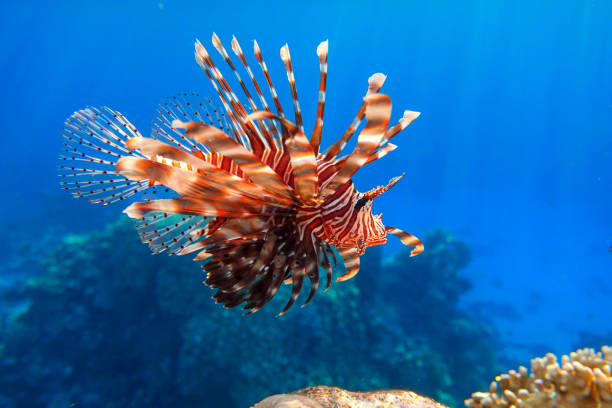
column 382, row 152
column 286, row 57
column 406, row 119
column 238, row 51
column 262, row 137
column 202, row 59
column 264, row 68
column 315, row 138
column 375, row 83
column 377, row 113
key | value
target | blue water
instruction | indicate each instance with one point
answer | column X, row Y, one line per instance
column 512, row 152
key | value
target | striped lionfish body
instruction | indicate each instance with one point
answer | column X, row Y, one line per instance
column 250, row 193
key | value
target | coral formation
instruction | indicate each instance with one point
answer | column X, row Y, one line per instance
column 582, row 380
column 332, row 397
column 111, row 325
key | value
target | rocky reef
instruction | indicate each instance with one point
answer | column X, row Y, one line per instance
column 105, row 323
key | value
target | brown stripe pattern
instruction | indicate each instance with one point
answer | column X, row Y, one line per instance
column 242, row 187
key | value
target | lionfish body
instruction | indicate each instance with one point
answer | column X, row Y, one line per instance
column 252, row 194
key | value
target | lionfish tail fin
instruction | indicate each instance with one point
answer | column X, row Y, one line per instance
column 94, row 141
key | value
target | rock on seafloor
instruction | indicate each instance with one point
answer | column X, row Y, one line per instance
column 332, row 397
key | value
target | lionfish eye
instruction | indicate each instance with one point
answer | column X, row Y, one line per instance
column 360, row 203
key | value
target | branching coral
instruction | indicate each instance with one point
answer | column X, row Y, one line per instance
column 582, row 380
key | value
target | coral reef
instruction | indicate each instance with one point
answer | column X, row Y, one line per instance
column 332, row 397
column 582, row 380
column 105, row 323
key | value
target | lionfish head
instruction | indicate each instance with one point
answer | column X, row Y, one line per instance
column 370, row 228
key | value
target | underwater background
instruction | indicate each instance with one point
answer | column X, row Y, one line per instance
column 508, row 182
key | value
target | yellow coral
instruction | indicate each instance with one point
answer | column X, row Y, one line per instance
column 582, row 380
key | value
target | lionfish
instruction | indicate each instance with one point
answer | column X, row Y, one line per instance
column 250, row 193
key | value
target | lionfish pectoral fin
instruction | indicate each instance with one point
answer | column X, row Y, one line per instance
column 94, row 141
column 168, row 232
column 210, row 196
column 236, row 230
column 350, row 256
column 312, row 271
column 257, row 171
column 187, row 107
column 269, row 285
column 188, row 206
column 298, row 273
column 303, row 160
column 408, row 240
column 202, row 255
column 327, row 266
column 215, row 176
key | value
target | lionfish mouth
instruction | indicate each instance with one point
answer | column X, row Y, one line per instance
column 375, row 192
column 394, row 180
